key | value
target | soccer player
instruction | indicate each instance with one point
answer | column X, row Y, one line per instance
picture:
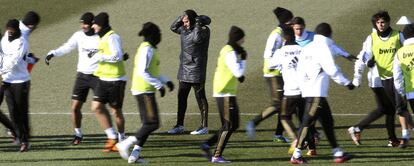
column 285, row 60
column 273, row 78
column 146, row 81
column 16, row 81
column 195, row 38
column 230, row 69
column 403, row 69
column 379, row 49
column 112, row 79
column 86, row 41
column 316, row 64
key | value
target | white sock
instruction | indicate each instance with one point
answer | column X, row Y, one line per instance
column 337, row 152
column 356, row 129
column 78, row 132
column 110, row 133
column 297, row 153
column 137, row 147
column 405, row 134
column 121, row 136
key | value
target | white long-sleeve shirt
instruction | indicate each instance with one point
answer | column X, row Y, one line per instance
column 145, row 56
column 316, row 65
column 285, row 59
column 364, row 55
column 13, row 68
column 274, row 42
column 398, row 74
column 85, row 44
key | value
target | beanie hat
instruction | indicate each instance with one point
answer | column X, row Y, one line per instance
column 408, row 31
column 87, row 18
column 13, row 23
column 324, row 29
column 102, row 19
column 283, row 15
column 235, row 34
column 31, row 18
column 191, row 16
column 148, row 29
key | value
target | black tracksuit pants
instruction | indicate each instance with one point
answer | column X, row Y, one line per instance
column 275, row 85
column 17, row 98
column 317, row 108
column 229, row 116
column 384, row 107
column 200, row 94
column 150, row 120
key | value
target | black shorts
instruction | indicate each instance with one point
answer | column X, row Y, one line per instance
column 111, row 92
column 83, row 83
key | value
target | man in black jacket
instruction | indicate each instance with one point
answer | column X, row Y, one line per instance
column 195, row 36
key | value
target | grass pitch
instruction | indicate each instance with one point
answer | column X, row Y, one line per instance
column 52, row 85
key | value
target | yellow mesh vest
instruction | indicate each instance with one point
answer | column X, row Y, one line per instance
column 138, row 83
column 406, row 57
column 266, row 70
column 224, row 80
column 383, row 52
column 106, row 69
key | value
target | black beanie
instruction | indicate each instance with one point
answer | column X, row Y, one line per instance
column 408, row 31
column 324, row 29
column 102, row 19
column 235, row 34
column 283, row 15
column 148, row 29
column 13, row 23
column 87, row 18
column 191, row 16
column 31, row 18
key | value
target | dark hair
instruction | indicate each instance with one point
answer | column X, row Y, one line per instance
column 298, row 20
column 408, row 31
column 31, row 18
column 191, row 16
column 382, row 14
column 283, row 15
column 151, row 33
column 289, row 35
column 324, row 29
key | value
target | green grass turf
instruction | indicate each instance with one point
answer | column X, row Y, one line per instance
column 52, row 85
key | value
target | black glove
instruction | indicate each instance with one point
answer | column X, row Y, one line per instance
column 48, row 58
column 162, row 91
column 33, row 56
column 351, row 58
column 125, row 56
column 243, row 55
column 371, row 62
column 170, row 85
column 350, row 86
column 241, row 79
column 203, row 20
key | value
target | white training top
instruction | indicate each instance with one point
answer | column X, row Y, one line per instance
column 13, row 67
column 85, row 44
column 374, row 79
column 285, row 59
column 316, row 65
column 24, row 30
column 274, row 42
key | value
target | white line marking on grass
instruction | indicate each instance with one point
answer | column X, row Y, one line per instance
column 168, row 113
